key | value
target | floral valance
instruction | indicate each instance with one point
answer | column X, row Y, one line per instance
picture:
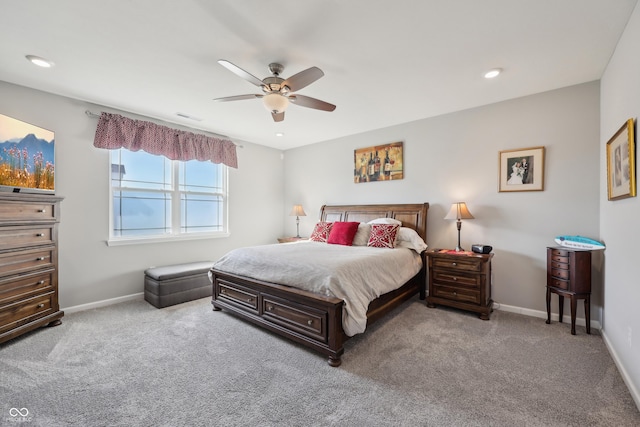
column 115, row 131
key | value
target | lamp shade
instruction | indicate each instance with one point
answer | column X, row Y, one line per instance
column 275, row 103
column 297, row 211
column 459, row 210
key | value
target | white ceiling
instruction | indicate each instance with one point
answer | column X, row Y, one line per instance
column 385, row 62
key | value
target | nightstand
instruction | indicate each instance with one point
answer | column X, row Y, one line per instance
column 461, row 280
column 290, row 239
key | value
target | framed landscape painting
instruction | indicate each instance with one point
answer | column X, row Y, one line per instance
column 621, row 174
column 521, row 170
column 378, row 163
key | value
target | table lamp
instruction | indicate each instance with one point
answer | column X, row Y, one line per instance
column 459, row 211
column 297, row 211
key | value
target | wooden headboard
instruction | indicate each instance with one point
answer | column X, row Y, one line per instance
column 412, row 215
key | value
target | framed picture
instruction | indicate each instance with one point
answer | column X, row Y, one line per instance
column 621, row 174
column 378, row 163
column 521, row 170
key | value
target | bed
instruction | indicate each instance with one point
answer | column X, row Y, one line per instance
column 312, row 319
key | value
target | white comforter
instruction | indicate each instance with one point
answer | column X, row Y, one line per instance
column 355, row 274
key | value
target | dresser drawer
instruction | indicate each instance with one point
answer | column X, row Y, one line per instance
column 452, row 278
column 456, row 294
column 23, row 236
column 238, row 296
column 461, row 264
column 558, row 283
column 13, row 288
column 23, row 261
column 560, row 273
column 27, row 211
column 306, row 320
column 560, row 265
column 25, row 311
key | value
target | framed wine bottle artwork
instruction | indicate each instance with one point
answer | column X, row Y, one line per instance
column 378, row 163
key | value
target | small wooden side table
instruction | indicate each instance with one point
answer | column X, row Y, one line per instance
column 569, row 275
column 290, row 239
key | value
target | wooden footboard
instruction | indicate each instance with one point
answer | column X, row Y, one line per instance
column 311, row 319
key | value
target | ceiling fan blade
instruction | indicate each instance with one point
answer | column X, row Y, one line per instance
column 307, row 101
column 278, row 117
column 240, row 72
column 303, row 78
column 238, row 97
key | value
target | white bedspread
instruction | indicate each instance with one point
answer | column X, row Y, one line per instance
column 355, row 274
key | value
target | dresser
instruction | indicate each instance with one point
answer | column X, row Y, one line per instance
column 569, row 275
column 28, row 263
column 460, row 280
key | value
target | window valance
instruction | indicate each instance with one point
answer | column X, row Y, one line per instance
column 115, row 131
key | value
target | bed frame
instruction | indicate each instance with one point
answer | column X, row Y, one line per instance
column 311, row 319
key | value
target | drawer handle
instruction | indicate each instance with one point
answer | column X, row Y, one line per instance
column 40, row 258
column 42, row 210
column 455, row 293
column 269, row 308
column 40, row 305
column 454, row 264
column 310, row 322
column 455, row 279
column 41, row 282
column 40, row 235
column 249, row 299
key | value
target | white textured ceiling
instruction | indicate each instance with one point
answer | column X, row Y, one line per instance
column 385, row 62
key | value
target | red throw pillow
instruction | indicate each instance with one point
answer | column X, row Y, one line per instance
column 321, row 232
column 383, row 235
column 342, row 233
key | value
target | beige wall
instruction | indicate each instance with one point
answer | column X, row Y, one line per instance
column 620, row 100
column 455, row 157
column 91, row 271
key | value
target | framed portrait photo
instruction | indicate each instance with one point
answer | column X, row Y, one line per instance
column 521, row 170
column 621, row 168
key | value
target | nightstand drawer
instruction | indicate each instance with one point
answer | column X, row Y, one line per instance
column 456, row 294
column 558, row 283
column 560, row 274
column 449, row 278
column 457, row 264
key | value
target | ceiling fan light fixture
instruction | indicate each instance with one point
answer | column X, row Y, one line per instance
column 275, row 103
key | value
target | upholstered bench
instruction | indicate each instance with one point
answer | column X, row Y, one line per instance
column 175, row 284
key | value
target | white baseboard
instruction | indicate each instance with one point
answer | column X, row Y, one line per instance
column 103, row 303
column 543, row 315
column 635, row 394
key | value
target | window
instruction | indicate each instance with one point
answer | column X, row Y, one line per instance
column 154, row 198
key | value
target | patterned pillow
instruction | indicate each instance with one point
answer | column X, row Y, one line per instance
column 383, row 235
column 342, row 233
column 321, row 232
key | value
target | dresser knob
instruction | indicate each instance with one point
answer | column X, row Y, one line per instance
column 40, row 305
column 455, row 279
column 310, row 322
column 249, row 299
column 223, row 292
column 42, row 210
column 40, row 258
column 269, row 308
column 455, row 293
column 41, row 282
column 40, row 235
column 454, row 263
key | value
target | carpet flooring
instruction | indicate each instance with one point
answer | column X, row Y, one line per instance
column 131, row 364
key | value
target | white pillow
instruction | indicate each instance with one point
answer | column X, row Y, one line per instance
column 409, row 238
column 385, row 221
column 362, row 235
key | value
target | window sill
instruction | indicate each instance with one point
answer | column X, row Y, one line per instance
column 121, row 241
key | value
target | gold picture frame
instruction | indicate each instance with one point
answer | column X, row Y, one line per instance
column 378, row 163
column 621, row 163
column 521, row 170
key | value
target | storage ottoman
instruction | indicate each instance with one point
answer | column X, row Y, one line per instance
column 175, row 284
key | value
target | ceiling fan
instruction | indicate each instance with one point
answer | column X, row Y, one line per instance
column 278, row 92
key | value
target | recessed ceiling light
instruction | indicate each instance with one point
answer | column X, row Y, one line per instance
column 279, row 133
column 40, row 62
column 492, row 73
